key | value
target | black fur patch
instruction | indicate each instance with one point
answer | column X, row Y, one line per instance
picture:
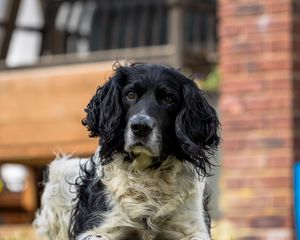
column 206, row 200
column 90, row 201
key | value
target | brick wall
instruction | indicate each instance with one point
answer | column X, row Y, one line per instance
column 260, row 93
column 296, row 62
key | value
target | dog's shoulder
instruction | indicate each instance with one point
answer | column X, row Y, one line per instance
column 52, row 219
column 64, row 167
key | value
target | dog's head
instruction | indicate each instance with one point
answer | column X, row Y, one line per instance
column 153, row 110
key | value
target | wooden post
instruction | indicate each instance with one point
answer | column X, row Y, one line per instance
column 176, row 34
column 13, row 7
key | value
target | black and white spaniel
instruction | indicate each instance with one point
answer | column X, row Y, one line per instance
column 146, row 181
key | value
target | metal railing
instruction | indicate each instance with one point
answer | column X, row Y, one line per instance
column 177, row 32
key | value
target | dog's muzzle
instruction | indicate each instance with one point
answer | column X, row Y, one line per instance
column 141, row 126
column 142, row 135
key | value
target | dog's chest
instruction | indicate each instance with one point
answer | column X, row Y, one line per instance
column 148, row 196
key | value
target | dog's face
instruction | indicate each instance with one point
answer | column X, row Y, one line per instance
column 151, row 100
column 153, row 110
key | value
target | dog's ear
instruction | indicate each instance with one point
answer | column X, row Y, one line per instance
column 105, row 113
column 197, row 128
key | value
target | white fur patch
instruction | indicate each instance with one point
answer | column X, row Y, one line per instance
column 166, row 201
column 141, row 150
column 56, row 204
column 161, row 203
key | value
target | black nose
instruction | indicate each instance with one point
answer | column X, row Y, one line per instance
column 141, row 126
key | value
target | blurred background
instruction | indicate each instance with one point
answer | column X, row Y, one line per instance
column 244, row 53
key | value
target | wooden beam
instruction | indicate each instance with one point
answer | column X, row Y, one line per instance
column 154, row 54
column 41, row 111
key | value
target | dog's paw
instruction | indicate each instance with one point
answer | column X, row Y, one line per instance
column 98, row 237
column 91, row 237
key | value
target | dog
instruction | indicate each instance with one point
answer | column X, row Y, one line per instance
column 157, row 135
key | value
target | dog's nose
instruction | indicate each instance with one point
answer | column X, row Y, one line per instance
column 141, row 126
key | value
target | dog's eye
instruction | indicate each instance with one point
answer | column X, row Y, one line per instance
column 131, row 95
column 169, row 100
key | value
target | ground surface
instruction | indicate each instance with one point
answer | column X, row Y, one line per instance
column 17, row 232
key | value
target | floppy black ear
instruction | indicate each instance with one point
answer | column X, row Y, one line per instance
column 197, row 128
column 105, row 114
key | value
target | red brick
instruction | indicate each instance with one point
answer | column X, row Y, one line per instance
column 249, row 9
column 251, row 212
column 268, row 222
column 254, row 85
column 253, row 201
column 259, row 182
column 277, row 161
column 251, row 238
column 282, row 201
column 254, row 46
column 275, row 7
column 228, row 31
column 242, row 162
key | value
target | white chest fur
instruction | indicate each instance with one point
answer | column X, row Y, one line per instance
column 165, row 199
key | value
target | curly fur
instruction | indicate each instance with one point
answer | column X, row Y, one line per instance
column 123, row 194
column 170, row 211
column 53, row 218
column 90, row 200
column 195, row 135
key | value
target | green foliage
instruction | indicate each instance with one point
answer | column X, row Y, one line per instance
column 211, row 81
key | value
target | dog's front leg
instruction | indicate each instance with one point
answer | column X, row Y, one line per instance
column 99, row 234
column 197, row 236
column 186, row 226
column 91, row 235
column 182, row 236
column 113, row 233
